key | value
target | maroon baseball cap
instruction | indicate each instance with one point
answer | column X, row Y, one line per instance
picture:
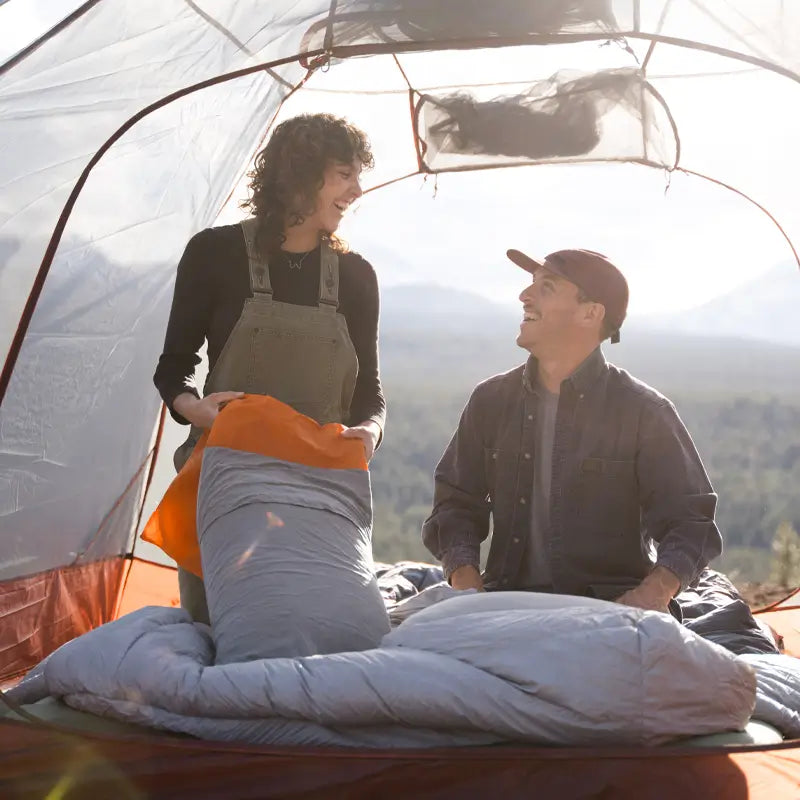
column 592, row 273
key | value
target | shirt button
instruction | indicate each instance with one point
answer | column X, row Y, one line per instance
column 580, row 397
column 494, row 456
column 515, row 540
column 530, row 416
column 522, row 500
column 527, row 455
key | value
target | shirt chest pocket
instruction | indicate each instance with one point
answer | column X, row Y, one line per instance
column 608, row 468
column 500, row 468
column 608, row 495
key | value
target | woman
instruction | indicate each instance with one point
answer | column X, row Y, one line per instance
column 286, row 310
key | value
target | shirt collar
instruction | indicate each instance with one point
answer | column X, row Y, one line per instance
column 584, row 376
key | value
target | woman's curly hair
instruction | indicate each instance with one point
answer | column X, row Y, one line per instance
column 290, row 170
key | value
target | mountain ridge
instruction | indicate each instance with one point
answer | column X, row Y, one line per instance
column 763, row 309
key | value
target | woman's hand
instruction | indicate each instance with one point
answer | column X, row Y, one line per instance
column 202, row 413
column 369, row 432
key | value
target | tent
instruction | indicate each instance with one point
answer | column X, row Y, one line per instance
column 126, row 127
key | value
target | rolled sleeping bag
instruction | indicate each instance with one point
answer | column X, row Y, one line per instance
column 284, row 523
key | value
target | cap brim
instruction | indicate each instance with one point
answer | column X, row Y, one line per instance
column 526, row 262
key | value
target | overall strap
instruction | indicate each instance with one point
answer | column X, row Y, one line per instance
column 328, row 276
column 259, row 269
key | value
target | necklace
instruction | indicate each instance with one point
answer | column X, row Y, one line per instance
column 297, row 263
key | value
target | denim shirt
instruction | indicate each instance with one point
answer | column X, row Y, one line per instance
column 628, row 487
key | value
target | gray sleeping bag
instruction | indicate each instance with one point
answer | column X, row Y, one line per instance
column 474, row 669
column 287, row 557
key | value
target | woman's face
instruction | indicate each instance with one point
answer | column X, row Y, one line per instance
column 341, row 187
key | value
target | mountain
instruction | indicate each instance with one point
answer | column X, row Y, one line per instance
column 764, row 308
column 439, row 307
column 432, row 336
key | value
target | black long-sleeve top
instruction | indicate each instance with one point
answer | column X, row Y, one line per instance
column 212, row 284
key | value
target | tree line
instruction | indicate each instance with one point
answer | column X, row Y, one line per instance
column 749, row 443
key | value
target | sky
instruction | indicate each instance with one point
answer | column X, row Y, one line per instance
column 679, row 240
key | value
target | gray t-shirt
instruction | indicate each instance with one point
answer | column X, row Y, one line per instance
column 536, row 567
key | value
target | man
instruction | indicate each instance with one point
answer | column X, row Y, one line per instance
column 592, row 483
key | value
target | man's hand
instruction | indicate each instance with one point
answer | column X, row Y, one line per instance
column 466, row 577
column 369, row 432
column 654, row 592
column 202, row 413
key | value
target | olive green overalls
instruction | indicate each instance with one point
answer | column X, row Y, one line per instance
column 300, row 355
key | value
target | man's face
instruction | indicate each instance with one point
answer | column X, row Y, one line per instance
column 551, row 312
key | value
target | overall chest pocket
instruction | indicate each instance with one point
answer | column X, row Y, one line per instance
column 294, row 366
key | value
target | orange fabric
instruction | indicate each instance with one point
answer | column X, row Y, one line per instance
column 36, row 758
column 38, row 613
column 254, row 424
column 148, row 584
column 786, row 621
